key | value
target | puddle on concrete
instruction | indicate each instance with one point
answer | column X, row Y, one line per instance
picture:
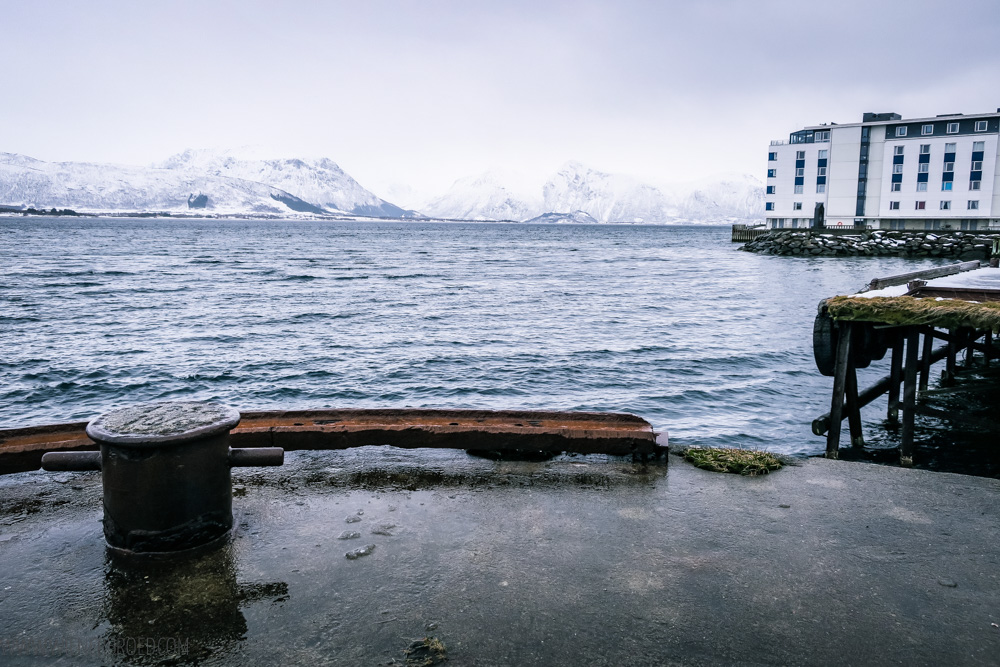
column 435, row 534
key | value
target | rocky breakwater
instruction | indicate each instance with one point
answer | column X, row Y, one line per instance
column 875, row 243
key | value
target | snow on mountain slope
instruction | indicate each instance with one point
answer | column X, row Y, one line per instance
column 319, row 181
column 493, row 195
column 603, row 196
column 739, row 196
column 574, row 218
column 607, row 197
column 91, row 187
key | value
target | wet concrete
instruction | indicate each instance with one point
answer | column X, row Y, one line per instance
column 578, row 560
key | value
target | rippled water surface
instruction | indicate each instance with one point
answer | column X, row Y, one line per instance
column 671, row 323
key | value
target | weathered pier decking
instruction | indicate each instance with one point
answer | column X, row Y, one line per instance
column 902, row 315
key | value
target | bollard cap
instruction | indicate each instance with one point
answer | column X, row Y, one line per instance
column 162, row 423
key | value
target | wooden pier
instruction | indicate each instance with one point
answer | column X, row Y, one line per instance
column 746, row 233
column 851, row 332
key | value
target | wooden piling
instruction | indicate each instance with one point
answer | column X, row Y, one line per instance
column 895, row 377
column 909, row 397
column 949, row 370
column 853, row 405
column 839, row 386
column 925, row 359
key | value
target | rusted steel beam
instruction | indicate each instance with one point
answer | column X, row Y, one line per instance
column 485, row 430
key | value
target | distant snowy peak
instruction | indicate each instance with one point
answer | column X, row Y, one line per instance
column 606, row 197
column 319, row 181
column 488, row 196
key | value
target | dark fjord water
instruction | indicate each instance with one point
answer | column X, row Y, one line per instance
column 671, row 323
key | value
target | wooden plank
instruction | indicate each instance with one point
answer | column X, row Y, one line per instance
column 980, row 294
column 937, row 272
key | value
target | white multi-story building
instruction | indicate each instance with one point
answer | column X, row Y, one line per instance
column 887, row 172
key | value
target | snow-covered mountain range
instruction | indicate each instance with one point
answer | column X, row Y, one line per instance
column 242, row 182
column 603, row 196
column 204, row 182
column 320, row 182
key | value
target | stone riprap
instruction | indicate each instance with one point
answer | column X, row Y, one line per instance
column 875, row 243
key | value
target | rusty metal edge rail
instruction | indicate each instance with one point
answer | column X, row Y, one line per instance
column 619, row 434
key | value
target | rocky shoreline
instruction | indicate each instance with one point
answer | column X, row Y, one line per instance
column 875, row 243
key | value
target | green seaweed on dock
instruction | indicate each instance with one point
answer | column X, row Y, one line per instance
column 908, row 310
column 733, row 459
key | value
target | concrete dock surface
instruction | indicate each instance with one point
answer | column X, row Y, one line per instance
column 580, row 560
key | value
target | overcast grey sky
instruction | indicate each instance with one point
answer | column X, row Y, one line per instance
column 430, row 91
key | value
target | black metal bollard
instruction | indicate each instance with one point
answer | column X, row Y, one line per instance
column 166, row 474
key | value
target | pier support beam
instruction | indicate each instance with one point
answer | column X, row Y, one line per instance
column 840, row 371
column 925, row 359
column 909, row 396
column 853, row 405
column 895, row 377
column 949, row 370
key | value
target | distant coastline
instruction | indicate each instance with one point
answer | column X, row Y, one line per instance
column 552, row 219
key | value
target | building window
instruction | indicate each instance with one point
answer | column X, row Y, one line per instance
column 897, row 169
column 898, row 150
column 800, row 155
column 927, row 129
column 945, row 205
column 822, row 154
column 980, row 126
column 770, row 189
column 922, row 168
column 952, row 128
column 973, row 205
column 975, row 185
column 823, row 135
column 769, row 206
column 798, row 190
column 800, row 171
column 978, row 145
column 896, row 187
column 894, row 206
column 925, row 149
column 977, row 165
column 771, row 173
column 771, row 157
column 820, row 187
column 900, row 131
column 921, row 205
column 946, row 186
column 949, row 166
column 821, row 171
column 797, row 206
column 922, row 187
column 949, row 148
